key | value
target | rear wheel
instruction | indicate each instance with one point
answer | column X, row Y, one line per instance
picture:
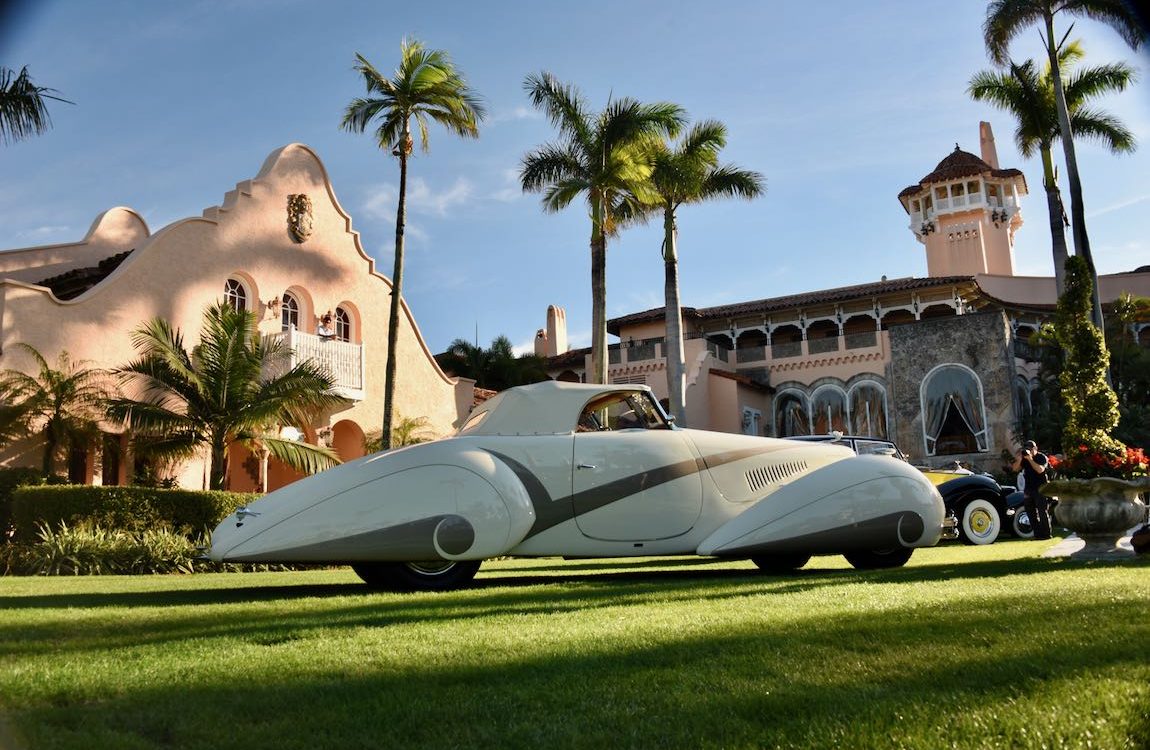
column 980, row 522
column 781, row 563
column 434, row 575
column 877, row 559
column 1021, row 525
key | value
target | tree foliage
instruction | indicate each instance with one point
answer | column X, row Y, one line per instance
column 426, row 87
column 223, row 391
column 497, row 367
column 1092, row 406
column 688, row 171
column 605, row 157
column 1029, row 96
column 23, row 109
column 61, row 405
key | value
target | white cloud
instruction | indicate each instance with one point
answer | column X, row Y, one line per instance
column 421, row 198
column 1119, row 206
column 44, row 232
column 511, row 190
column 520, row 112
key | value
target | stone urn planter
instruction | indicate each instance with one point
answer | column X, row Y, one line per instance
column 1100, row 511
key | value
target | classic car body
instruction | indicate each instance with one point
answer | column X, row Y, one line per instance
column 575, row 470
column 982, row 508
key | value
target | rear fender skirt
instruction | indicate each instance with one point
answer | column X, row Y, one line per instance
column 885, row 532
column 862, row 502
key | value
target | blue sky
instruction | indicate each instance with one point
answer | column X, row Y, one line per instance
column 839, row 104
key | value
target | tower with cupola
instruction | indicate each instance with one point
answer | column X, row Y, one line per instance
column 966, row 212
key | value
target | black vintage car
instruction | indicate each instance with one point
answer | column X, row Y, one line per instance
column 983, row 508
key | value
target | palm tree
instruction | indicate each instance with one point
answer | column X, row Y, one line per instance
column 496, row 368
column 23, row 111
column 62, row 405
column 1006, row 19
column 604, row 155
column 426, row 86
column 407, row 431
column 220, row 393
column 689, row 172
column 1030, row 98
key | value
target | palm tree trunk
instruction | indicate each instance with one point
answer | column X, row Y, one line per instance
column 598, row 292
column 676, row 377
column 218, row 470
column 49, row 459
column 396, row 293
column 1056, row 214
column 1077, row 210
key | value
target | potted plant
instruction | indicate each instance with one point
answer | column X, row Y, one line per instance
column 1100, row 478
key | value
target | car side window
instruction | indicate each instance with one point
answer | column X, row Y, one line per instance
column 621, row 410
column 877, row 447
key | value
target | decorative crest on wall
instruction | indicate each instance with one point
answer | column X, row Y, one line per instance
column 300, row 221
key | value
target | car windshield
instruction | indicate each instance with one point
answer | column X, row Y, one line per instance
column 622, row 410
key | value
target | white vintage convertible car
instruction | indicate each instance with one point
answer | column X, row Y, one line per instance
column 574, row 470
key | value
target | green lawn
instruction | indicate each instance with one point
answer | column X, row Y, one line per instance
column 966, row 647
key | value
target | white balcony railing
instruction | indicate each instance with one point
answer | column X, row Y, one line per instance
column 342, row 359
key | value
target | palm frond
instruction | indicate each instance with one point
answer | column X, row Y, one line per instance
column 23, row 109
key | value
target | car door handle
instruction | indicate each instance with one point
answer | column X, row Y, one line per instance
column 586, row 466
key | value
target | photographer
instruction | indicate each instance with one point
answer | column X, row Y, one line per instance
column 1033, row 466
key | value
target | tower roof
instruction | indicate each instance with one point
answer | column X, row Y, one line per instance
column 959, row 164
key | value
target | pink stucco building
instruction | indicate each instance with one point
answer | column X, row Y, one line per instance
column 941, row 363
column 280, row 245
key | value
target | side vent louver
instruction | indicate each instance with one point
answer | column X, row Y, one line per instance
column 761, row 477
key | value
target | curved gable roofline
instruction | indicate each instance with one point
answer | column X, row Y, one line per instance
column 272, row 163
column 118, row 219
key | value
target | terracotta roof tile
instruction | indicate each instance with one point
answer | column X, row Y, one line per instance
column 958, row 164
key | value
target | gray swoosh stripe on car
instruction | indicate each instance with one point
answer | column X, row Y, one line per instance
column 552, row 512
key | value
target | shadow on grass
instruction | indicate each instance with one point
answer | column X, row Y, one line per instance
column 656, row 572
column 873, row 679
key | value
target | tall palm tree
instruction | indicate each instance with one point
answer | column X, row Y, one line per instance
column 1006, row 19
column 61, row 404
column 689, row 172
column 426, row 86
column 221, row 393
column 605, row 156
column 1030, row 98
column 23, row 111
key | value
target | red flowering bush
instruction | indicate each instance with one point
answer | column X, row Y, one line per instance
column 1087, row 463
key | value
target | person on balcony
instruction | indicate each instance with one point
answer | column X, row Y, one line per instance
column 324, row 330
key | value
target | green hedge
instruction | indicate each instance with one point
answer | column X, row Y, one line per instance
column 133, row 509
column 10, row 479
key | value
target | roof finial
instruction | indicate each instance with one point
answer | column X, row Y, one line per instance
column 956, row 148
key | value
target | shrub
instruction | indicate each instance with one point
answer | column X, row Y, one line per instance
column 85, row 549
column 10, row 479
column 131, row 509
column 90, row 550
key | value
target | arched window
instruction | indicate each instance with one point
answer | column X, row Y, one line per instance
column 289, row 311
column 868, row 409
column 342, row 325
column 829, row 410
column 953, row 415
column 792, row 417
column 235, row 295
column 1022, row 404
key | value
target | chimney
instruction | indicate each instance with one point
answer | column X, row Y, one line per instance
column 556, row 330
column 986, row 141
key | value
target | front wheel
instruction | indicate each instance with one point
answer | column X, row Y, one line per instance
column 879, row 558
column 780, row 563
column 980, row 522
column 436, row 575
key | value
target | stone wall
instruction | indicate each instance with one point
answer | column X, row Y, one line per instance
column 980, row 341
